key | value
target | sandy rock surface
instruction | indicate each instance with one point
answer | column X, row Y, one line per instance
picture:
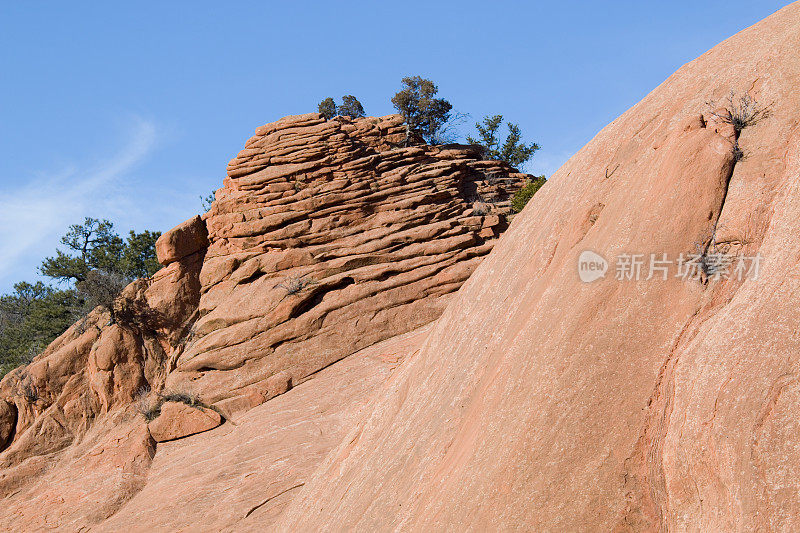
column 248, row 470
column 544, row 403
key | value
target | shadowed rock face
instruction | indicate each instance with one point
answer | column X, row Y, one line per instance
column 327, row 237
column 543, row 403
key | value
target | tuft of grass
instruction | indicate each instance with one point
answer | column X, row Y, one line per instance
column 294, row 284
column 481, row 209
column 148, row 407
column 190, row 399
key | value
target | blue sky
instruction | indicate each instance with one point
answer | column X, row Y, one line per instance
column 130, row 111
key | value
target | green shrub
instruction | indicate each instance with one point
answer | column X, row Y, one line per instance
column 350, row 107
column 328, row 108
column 522, row 196
column 513, row 151
column 30, row 319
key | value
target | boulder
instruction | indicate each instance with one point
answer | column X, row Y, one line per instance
column 178, row 420
column 187, row 238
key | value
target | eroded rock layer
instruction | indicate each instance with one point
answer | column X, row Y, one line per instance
column 328, row 236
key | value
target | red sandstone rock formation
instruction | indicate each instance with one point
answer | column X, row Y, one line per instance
column 536, row 401
column 327, row 237
column 542, row 403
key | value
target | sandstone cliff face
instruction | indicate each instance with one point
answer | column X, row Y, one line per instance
column 535, row 402
column 327, row 237
column 543, row 403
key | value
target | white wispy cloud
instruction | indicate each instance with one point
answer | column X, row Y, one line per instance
column 34, row 215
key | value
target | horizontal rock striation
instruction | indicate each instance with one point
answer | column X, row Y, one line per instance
column 328, row 236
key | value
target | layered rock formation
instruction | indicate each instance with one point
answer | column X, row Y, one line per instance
column 536, row 402
column 542, row 403
column 327, row 237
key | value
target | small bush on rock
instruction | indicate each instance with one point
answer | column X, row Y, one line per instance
column 100, row 288
column 350, row 107
column 149, row 406
column 741, row 112
column 327, row 108
column 188, row 398
column 513, row 151
column 294, row 284
column 481, row 209
column 522, row 196
column 424, row 114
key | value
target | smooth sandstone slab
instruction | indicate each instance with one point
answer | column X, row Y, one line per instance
column 242, row 475
column 543, row 403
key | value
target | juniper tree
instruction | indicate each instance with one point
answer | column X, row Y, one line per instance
column 350, row 107
column 424, row 114
column 512, row 150
column 327, row 108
